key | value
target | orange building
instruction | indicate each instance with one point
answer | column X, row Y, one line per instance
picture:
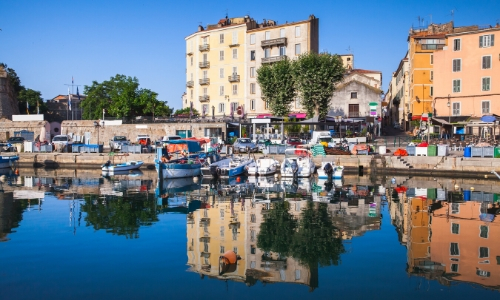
column 467, row 247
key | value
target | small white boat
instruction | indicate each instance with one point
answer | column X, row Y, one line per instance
column 263, row 166
column 297, row 162
column 328, row 168
column 228, row 167
column 126, row 166
column 8, row 161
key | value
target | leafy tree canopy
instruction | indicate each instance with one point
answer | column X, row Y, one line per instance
column 277, row 85
column 315, row 76
column 185, row 111
column 121, row 97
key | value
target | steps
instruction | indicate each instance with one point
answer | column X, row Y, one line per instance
column 404, row 162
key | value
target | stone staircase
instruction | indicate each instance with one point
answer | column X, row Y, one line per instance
column 404, row 162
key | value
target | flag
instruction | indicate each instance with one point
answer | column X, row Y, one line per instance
column 69, row 100
column 77, row 94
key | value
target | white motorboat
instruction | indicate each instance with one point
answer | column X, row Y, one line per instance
column 126, row 166
column 328, row 168
column 228, row 167
column 297, row 162
column 263, row 166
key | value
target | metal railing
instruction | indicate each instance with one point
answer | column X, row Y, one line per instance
column 204, row 64
column 234, row 78
column 204, row 47
column 204, row 98
column 273, row 42
column 190, row 83
column 204, row 81
column 267, row 60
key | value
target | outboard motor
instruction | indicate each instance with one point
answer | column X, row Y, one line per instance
column 295, row 168
column 214, row 170
column 108, row 163
column 328, row 169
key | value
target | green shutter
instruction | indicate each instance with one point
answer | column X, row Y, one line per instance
column 481, row 41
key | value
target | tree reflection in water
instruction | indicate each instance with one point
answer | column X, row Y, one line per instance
column 120, row 216
column 312, row 239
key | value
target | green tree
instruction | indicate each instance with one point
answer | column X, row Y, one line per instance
column 121, row 97
column 34, row 98
column 185, row 111
column 277, row 84
column 315, row 77
column 15, row 82
column 277, row 230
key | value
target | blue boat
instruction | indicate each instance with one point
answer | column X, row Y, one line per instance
column 228, row 167
column 179, row 166
column 8, row 161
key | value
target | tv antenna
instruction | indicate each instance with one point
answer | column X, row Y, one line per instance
column 453, row 13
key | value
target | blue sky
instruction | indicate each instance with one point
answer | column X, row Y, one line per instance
column 48, row 42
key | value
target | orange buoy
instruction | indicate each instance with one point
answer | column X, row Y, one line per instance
column 238, row 179
column 16, row 172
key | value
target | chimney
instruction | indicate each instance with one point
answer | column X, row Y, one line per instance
column 200, row 28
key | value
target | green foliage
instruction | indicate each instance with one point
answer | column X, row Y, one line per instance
column 305, row 128
column 121, row 97
column 277, row 85
column 34, row 98
column 315, row 76
column 185, row 111
column 276, row 232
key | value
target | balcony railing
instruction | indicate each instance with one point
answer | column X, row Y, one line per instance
column 204, row 81
column 204, row 98
column 234, row 78
column 267, row 60
column 205, row 47
column 273, row 42
column 354, row 114
column 190, row 83
column 433, row 46
column 204, row 64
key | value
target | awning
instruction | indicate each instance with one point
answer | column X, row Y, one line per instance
column 261, row 116
column 298, row 116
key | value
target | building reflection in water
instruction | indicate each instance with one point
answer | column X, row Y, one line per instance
column 280, row 234
column 451, row 236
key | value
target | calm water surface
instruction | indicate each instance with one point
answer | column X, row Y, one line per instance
column 132, row 237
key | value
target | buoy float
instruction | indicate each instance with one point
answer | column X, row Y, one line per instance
column 238, row 179
column 195, row 179
column 16, row 172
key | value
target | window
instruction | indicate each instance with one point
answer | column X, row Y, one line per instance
column 457, row 65
column 191, row 94
column 353, row 110
column 252, row 72
column 234, row 106
column 485, row 107
column 297, row 49
column 222, row 249
column 252, row 55
column 483, row 231
column 191, row 61
column 235, row 71
column 454, row 268
column 297, row 274
column 252, row 235
column 432, row 75
column 486, row 83
column 267, row 52
column 222, row 213
column 268, row 35
column 455, row 228
column 235, row 37
column 456, row 86
column 432, row 59
column 297, row 31
column 205, row 91
column 235, row 249
column 456, row 112
column 221, row 107
column 221, row 90
column 455, row 208
column 486, row 62
column 252, row 104
column 252, row 39
column 191, row 76
column 432, row 91
column 484, row 252
column 282, row 32
column 266, row 104
column 486, row 41
column 454, row 249
column 205, row 247
column 482, row 273
column 235, row 89
column 205, row 74
column 354, row 95
column 456, row 45
column 252, row 88
column 221, row 55
column 235, row 53
column 252, row 249
column 204, row 109
column 282, row 51
column 221, row 73
column 221, row 38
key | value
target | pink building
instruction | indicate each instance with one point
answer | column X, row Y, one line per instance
column 466, row 75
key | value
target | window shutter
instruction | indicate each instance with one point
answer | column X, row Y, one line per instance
column 492, row 40
column 481, row 41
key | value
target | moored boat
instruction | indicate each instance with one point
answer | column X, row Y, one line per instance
column 180, row 158
column 121, row 167
column 329, row 169
column 228, row 167
column 263, row 166
column 7, row 161
column 297, row 163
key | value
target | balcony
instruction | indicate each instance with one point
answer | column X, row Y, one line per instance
column 273, row 42
column 204, row 64
column 234, row 78
column 234, row 45
column 268, row 60
column 205, row 47
column 190, row 83
column 204, row 98
column 354, row 114
column 189, row 53
column 205, row 81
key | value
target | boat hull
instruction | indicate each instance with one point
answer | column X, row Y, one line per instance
column 227, row 168
column 177, row 170
column 122, row 167
column 8, row 161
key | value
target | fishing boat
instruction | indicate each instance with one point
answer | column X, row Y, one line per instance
column 297, row 163
column 263, row 166
column 228, row 167
column 329, row 169
column 121, row 167
column 180, row 158
column 8, row 161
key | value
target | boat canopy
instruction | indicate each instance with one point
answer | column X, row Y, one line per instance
column 297, row 152
column 201, row 141
column 190, row 146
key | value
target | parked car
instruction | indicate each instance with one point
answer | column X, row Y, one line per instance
column 117, row 142
column 62, row 143
column 293, row 141
column 242, row 144
column 261, row 144
column 16, row 140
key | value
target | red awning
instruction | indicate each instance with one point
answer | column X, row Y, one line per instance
column 298, row 116
column 262, row 116
column 417, row 118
